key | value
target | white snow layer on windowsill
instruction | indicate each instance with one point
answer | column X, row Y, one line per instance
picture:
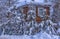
column 37, row 36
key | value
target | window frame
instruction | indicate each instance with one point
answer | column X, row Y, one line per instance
column 44, row 12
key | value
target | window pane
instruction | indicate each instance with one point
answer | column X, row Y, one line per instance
column 41, row 12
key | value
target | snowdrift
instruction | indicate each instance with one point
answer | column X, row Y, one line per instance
column 37, row 36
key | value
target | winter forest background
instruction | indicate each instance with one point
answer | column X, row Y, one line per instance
column 12, row 23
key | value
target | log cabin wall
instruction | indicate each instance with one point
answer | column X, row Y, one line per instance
column 47, row 11
column 38, row 19
column 36, row 10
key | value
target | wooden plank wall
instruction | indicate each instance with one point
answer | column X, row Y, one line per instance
column 38, row 19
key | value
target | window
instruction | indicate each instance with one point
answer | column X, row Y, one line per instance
column 41, row 12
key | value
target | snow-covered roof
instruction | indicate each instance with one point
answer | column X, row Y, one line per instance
column 19, row 4
column 36, row 3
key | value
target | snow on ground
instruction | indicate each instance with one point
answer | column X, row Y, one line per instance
column 37, row 36
column 41, row 1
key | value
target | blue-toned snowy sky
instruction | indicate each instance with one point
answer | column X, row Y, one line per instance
column 30, row 0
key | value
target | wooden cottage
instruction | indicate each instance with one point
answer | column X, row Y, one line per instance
column 40, row 10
